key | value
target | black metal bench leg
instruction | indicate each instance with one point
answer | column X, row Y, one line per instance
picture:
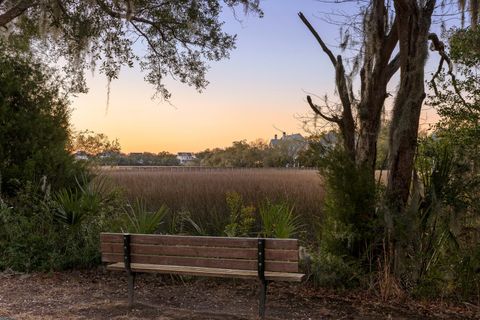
column 262, row 299
column 131, row 287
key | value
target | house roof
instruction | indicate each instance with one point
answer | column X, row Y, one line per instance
column 295, row 137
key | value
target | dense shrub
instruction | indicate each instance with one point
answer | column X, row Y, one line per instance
column 444, row 223
column 34, row 131
column 42, row 232
column 242, row 217
column 351, row 228
column 50, row 213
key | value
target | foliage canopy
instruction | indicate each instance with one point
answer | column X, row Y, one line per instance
column 180, row 36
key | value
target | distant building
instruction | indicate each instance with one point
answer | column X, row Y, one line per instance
column 329, row 139
column 295, row 138
column 80, row 155
column 108, row 154
column 293, row 144
column 185, row 157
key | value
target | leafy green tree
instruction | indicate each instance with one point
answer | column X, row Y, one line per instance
column 319, row 144
column 180, row 36
column 239, row 154
column 457, row 99
column 34, row 130
column 95, row 143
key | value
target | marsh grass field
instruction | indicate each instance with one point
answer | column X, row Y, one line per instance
column 201, row 191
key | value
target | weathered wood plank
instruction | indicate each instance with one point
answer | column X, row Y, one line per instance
column 188, row 251
column 207, row 272
column 207, row 252
column 234, row 242
column 241, row 264
column 281, row 255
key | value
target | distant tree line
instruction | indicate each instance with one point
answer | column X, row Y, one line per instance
column 258, row 154
column 304, row 152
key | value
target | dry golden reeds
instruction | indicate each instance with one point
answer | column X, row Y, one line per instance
column 201, row 191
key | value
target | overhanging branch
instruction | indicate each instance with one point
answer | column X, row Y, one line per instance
column 319, row 39
column 15, row 11
column 318, row 111
column 150, row 43
column 439, row 46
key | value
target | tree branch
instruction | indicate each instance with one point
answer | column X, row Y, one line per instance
column 317, row 111
column 150, row 43
column 119, row 15
column 15, row 11
column 393, row 67
column 319, row 39
column 391, row 39
column 439, row 46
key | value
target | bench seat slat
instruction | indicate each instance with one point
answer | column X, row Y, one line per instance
column 278, row 266
column 207, row 272
column 206, row 252
column 170, row 240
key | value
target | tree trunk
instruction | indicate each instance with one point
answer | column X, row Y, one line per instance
column 377, row 70
column 413, row 29
column 414, row 25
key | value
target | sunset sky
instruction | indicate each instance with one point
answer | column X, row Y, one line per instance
column 254, row 94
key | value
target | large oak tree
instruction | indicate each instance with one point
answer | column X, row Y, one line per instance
column 179, row 36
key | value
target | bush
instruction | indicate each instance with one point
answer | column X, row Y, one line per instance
column 242, row 218
column 42, row 232
column 137, row 219
column 50, row 212
column 351, row 229
column 335, row 271
column 34, row 135
column 278, row 220
column 445, row 223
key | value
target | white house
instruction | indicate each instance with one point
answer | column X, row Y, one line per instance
column 80, row 155
column 185, row 157
column 292, row 144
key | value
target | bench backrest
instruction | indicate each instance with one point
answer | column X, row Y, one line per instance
column 281, row 255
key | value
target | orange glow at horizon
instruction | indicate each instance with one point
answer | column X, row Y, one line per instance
column 192, row 122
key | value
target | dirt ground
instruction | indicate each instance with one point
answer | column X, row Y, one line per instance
column 102, row 295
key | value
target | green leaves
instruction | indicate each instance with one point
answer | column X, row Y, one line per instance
column 137, row 219
column 178, row 37
column 242, row 218
column 70, row 210
column 34, row 128
column 278, row 220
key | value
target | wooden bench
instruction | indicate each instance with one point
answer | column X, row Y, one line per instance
column 248, row 258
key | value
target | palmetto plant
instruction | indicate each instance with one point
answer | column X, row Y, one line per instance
column 439, row 207
column 181, row 222
column 70, row 209
column 73, row 206
column 278, row 220
column 137, row 219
